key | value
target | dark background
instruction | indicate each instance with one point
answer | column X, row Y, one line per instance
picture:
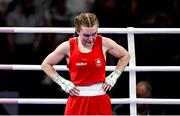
column 151, row 49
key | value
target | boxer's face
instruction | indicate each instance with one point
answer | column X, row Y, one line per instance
column 88, row 35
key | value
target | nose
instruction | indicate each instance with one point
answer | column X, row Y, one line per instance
column 91, row 38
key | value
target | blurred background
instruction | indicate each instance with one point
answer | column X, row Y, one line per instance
column 25, row 48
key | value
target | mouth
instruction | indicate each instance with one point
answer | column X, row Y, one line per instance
column 88, row 42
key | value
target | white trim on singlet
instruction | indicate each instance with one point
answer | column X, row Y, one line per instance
column 91, row 90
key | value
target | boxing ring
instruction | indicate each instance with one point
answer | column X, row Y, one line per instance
column 132, row 68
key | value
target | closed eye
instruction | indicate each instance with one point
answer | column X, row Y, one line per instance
column 88, row 35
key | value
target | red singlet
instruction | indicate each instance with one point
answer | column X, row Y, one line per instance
column 86, row 69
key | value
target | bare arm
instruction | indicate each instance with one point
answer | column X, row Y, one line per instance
column 117, row 51
column 54, row 58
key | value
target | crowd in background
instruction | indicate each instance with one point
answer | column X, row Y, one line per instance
column 151, row 50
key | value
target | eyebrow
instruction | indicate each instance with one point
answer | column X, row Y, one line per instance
column 95, row 33
column 87, row 35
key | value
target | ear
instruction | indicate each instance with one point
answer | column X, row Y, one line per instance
column 77, row 31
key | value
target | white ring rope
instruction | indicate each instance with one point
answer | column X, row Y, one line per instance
column 100, row 30
column 63, row 101
column 108, row 68
column 129, row 30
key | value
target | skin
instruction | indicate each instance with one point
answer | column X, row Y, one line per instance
column 142, row 90
column 86, row 40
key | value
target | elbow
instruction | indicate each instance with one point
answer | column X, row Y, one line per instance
column 127, row 56
column 43, row 65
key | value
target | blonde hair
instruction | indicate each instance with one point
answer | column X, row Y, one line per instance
column 85, row 19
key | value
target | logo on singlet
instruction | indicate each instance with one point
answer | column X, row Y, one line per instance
column 81, row 63
column 98, row 62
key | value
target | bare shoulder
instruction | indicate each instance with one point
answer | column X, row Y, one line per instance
column 63, row 48
column 64, row 44
column 113, row 48
column 105, row 39
column 107, row 42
